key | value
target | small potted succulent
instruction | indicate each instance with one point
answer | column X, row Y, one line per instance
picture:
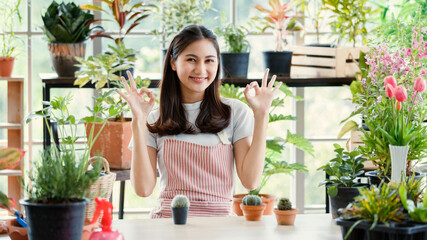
column 252, row 207
column 179, row 207
column 285, row 214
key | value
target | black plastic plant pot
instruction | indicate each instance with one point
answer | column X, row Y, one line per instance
column 395, row 231
column 180, row 215
column 345, row 196
column 234, row 65
column 279, row 63
column 55, row 221
column 374, row 179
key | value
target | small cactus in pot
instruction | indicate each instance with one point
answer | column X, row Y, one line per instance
column 284, row 212
column 252, row 207
column 179, row 207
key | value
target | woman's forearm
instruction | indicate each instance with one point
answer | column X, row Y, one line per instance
column 253, row 162
column 143, row 167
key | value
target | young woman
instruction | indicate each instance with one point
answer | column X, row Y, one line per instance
column 194, row 135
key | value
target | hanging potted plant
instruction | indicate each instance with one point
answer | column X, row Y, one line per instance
column 235, row 58
column 9, row 15
column 66, row 27
column 343, row 183
column 279, row 19
column 274, row 162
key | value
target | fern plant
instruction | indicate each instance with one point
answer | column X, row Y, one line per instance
column 274, row 162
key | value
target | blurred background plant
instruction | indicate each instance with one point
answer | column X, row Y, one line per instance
column 235, row 37
column 9, row 17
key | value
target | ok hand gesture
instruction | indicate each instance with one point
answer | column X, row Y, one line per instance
column 139, row 106
column 261, row 101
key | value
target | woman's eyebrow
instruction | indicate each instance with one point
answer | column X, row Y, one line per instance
column 195, row 56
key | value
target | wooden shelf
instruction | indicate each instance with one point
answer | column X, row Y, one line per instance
column 11, row 126
column 12, row 79
column 11, row 173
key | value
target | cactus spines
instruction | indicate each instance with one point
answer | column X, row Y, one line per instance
column 252, row 200
column 180, row 201
column 284, row 204
column 10, row 157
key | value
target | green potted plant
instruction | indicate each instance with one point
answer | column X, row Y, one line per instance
column 235, row 57
column 252, row 207
column 66, row 27
column 172, row 19
column 344, row 172
column 10, row 157
column 179, row 208
column 280, row 19
column 10, row 15
column 285, row 214
column 115, row 137
column 274, row 163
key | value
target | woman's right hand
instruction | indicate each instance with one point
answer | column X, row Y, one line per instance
column 139, row 106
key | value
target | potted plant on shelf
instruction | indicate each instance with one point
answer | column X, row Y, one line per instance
column 279, row 19
column 179, row 207
column 66, row 27
column 115, row 136
column 235, row 58
column 274, row 162
column 389, row 95
column 285, row 214
column 252, row 207
column 10, row 15
column 172, row 19
column 343, row 181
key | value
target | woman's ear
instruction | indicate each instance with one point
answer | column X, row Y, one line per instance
column 172, row 62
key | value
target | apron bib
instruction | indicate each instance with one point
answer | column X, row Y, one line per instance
column 203, row 173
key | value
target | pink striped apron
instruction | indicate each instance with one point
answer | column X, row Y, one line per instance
column 203, row 173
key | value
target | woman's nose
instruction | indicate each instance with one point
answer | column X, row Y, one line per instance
column 200, row 68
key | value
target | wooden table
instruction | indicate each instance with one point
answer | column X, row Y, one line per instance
column 307, row 227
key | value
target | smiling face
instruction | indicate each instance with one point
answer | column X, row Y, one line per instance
column 196, row 67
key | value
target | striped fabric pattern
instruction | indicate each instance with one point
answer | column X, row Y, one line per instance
column 203, row 173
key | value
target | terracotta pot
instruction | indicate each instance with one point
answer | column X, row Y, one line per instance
column 113, row 143
column 268, row 199
column 6, row 66
column 285, row 217
column 253, row 213
column 15, row 231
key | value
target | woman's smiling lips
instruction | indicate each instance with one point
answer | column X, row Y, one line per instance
column 199, row 79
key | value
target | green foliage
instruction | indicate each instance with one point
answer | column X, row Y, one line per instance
column 377, row 205
column 284, row 204
column 9, row 16
column 176, row 14
column 67, row 23
column 6, row 203
column 10, row 157
column 251, row 200
column 234, row 37
column 349, row 18
column 61, row 177
column 418, row 212
column 343, row 170
column 180, row 201
column 274, row 163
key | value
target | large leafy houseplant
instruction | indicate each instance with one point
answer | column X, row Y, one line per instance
column 274, row 162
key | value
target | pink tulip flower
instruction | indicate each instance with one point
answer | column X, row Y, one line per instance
column 400, row 94
column 390, row 80
column 398, row 105
column 420, row 84
column 389, row 91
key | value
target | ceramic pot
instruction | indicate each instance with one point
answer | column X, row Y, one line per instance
column 399, row 155
column 234, row 65
column 268, row 199
column 279, row 63
column 62, row 57
column 253, row 213
column 180, row 215
column 6, row 66
column 16, row 231
column 285, row 217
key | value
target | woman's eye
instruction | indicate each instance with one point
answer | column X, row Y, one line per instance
column 191, row 60
column 210, row 60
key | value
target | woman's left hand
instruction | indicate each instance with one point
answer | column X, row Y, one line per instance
column 261, row 101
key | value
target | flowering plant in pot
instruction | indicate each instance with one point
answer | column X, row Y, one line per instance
column 391, row 83
column 280, row 19
column 343, row 171
column 274, row 162
column 9, row 16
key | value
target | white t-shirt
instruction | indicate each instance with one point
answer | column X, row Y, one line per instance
column 241, row 126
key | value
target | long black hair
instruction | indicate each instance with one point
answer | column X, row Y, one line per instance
column 214, row 115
